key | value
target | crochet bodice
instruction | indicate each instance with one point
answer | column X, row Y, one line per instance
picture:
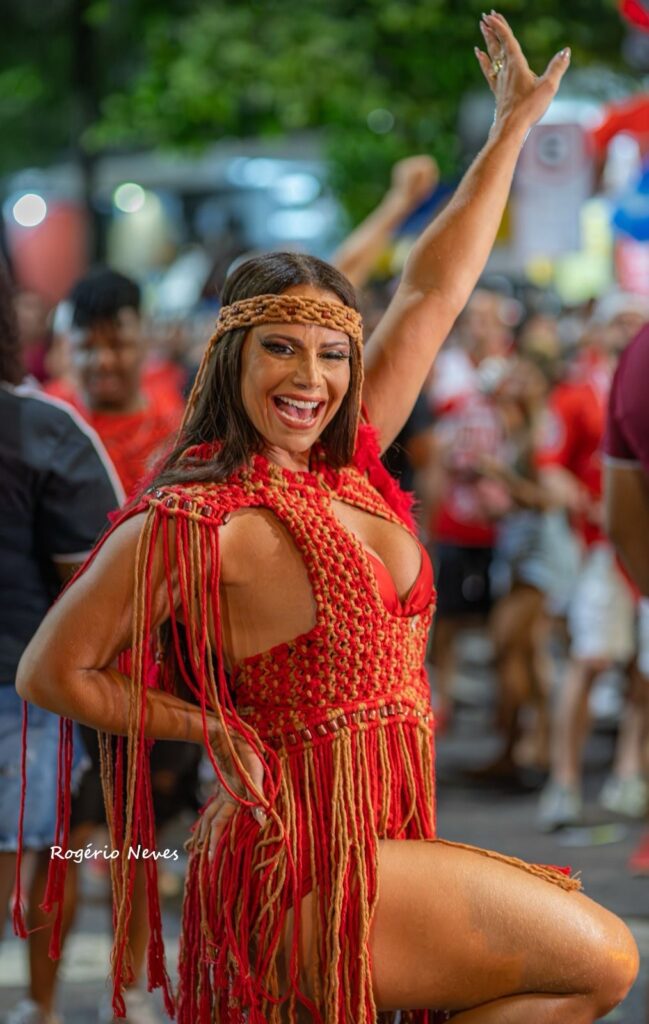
column 358, row 652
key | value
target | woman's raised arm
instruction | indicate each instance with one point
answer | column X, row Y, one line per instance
column 447, row 260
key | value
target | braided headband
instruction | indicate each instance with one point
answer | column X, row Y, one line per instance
column 289, row 309
column 279, row 309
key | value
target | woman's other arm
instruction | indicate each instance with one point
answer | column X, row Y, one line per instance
column 68, row 667
column 447, row 260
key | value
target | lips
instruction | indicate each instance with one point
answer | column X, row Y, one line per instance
column 298, row 413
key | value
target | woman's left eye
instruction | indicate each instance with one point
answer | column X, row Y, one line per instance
column 335, row 354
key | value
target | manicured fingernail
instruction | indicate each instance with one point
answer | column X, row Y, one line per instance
column 566, row 53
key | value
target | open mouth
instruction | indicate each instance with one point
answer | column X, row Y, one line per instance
column 297, row 412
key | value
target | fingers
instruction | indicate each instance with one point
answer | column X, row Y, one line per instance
column 485, row 66
column 210, row 826
column 499, row 27
column 492, row 41
column 557, row 68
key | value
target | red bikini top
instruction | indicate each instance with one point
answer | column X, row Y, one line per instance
column 418, row 596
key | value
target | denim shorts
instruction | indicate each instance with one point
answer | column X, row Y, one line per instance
column 42, row 760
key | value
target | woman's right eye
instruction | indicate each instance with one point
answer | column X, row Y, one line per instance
column 277, row 347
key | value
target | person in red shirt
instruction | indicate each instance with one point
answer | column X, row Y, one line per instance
column 465, row 505
column 601, row 613
column 133, row 415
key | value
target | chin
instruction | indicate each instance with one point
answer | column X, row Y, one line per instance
column 106, row 403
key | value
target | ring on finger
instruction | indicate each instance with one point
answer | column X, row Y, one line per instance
column 497, row 64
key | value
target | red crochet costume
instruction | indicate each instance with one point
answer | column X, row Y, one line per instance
column 340, row 717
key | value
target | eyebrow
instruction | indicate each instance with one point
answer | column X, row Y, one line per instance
column 298, row 341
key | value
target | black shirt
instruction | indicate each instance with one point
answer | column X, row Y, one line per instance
column 57, row 486
column 395, row 458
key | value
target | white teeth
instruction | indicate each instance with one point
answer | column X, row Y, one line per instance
column 299, row 404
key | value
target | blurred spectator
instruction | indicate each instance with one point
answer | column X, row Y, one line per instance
column 413, row 180
column 464, row 503
column 520, row 574
column 627, row 503
column 627, row 460
column 108, row 352
column 57, row 488
column 602, row 612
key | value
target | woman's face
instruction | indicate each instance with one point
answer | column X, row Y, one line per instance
column 294, row 378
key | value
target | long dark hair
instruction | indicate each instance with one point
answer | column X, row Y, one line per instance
column 219, row 414
column 11, row 364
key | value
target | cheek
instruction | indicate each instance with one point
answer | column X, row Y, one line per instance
column 343, row 382
column 254, row 385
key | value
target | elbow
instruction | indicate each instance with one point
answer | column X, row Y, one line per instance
column 26, row 681
column 34, row 685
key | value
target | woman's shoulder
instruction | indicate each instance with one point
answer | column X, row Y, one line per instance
column 202, row 501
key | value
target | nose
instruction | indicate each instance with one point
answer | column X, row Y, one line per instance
column 308, row 372
column 103, row 358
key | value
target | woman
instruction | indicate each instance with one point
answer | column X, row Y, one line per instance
column 293, row 606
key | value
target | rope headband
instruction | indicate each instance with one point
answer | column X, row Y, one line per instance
column 279, row 309
column 289, row 309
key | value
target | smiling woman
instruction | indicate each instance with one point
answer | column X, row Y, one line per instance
column 294, row 380
column 272, row 577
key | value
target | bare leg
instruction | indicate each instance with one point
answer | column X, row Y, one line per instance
column 7, row 878
column 540, row 1009
column 512, row 626
column 542, row 671
column 629, row 750
column 493, row 944
column 490, row 932
column 571, row 722
column 43, row 970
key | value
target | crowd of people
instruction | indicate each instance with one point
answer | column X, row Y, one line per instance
column 504, row 451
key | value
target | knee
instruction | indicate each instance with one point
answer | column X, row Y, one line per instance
column 615, row 966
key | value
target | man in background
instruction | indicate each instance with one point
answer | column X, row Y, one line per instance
column 135, row 418
column 57, row 487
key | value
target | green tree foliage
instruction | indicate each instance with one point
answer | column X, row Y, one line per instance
column 383, row 78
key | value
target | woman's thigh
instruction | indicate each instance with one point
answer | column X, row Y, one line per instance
column 454, row 929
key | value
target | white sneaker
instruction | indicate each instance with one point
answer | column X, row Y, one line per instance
column 29, row 1012
column 558, row 806
column 625, row 796
column 139, row 1009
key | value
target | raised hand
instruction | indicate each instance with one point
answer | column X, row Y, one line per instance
column 522, row 97
column 414, row 179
